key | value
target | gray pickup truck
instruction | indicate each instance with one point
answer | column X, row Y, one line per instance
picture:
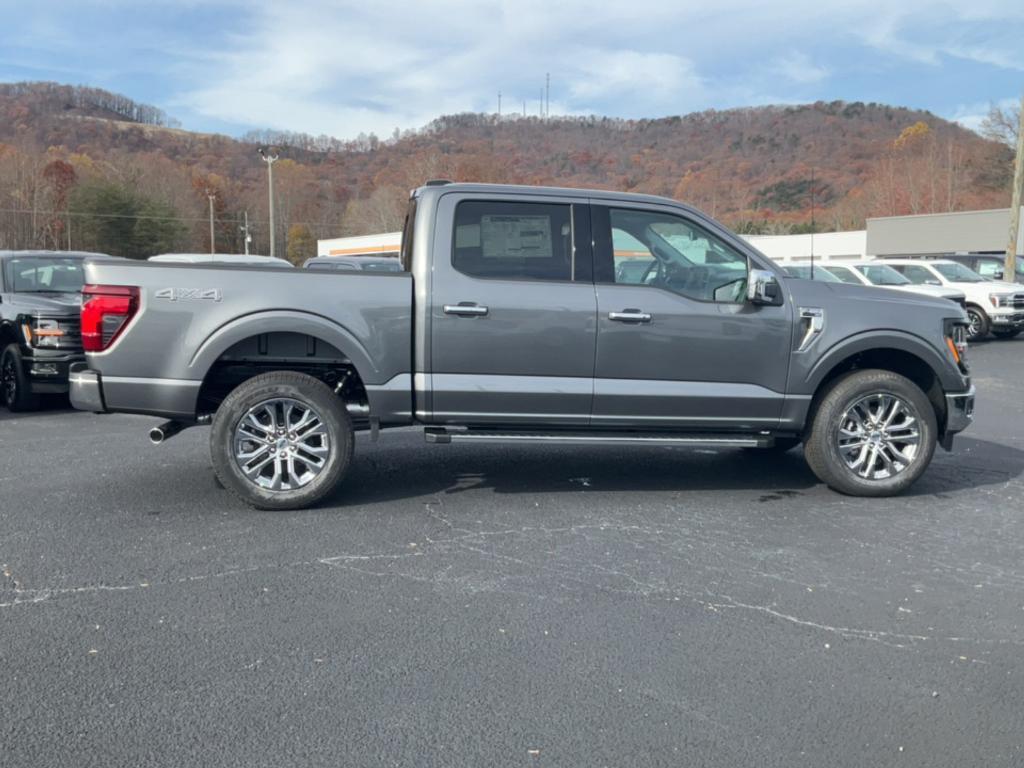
column 513, row 322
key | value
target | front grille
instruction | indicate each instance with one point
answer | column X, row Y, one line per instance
column 1016, row 301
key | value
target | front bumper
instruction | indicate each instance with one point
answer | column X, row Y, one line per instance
column 86, row 389
column 959, row 411
column 1011, row 319
column 48, row 373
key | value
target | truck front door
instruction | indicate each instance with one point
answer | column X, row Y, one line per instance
column 513, row 311
column 678, row 345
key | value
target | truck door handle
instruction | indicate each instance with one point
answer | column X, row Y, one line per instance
column 630, row 316
column 465, row 310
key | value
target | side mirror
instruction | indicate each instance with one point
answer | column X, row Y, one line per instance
column 763, row 288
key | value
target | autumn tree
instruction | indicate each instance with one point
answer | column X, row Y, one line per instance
column 301, row 244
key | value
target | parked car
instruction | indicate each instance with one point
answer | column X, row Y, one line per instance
column 992, row 306
column 806, row 272
column 883, row 276
column 40, row 297
column 353, row 263
column 988, row 265
column 508, row 325
column 223, row 259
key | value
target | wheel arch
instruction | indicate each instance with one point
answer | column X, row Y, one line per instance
column 900, row 353
column 281, row 341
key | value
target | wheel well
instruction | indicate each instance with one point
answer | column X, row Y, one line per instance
column 897, row 361
column 280, row 351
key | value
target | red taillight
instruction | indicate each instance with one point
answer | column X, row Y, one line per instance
column 106, row 310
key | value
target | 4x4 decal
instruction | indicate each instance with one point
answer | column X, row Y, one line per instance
column 189, row 294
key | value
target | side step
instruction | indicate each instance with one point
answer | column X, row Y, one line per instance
column 443, row 436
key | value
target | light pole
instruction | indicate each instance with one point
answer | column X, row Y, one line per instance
column 270, row 159
column 211, row 196
column 245, row 229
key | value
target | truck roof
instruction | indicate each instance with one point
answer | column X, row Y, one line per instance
column 522, row 189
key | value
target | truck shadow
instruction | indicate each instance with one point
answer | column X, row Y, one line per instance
column 387, row 473
column 50, row 405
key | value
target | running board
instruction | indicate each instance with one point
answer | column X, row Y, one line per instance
column 441, row 436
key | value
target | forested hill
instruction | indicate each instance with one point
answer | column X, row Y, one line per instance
column 72, row 154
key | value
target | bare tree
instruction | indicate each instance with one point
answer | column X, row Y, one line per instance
column 1001, row 124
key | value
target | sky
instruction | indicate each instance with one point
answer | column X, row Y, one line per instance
column 344, row 68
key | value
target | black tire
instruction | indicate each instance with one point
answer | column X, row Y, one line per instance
column 821, row 449
column 251, row 396
column 15, row 388
column 1007, row 334
column 979, row 321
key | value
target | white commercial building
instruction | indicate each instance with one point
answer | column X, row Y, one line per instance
column 823, row 245
column 386, row 244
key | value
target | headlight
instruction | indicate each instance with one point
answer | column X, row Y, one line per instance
column 955, row 333
column 1001, row 299
column 42, row 332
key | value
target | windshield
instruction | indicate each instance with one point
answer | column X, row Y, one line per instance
column 881, row 274
column 958, row 273
column 44, row 274
column 821, row 274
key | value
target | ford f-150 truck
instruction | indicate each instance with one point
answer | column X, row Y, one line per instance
column 39, row 307
column 507, row 324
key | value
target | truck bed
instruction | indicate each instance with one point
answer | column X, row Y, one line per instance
column 191, row 316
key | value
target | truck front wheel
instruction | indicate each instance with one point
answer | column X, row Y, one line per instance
column 979, row 323
column 15, row 388
column 281, row 440
column 873, row 434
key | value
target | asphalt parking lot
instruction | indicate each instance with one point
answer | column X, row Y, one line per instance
column 469, row 606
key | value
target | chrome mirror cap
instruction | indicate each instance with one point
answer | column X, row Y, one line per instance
column 763, row 288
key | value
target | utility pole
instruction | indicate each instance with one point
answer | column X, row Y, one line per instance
column 547, row 95
column 1010, row 267
column 245, row 231
column 270, row 159
column 812, row 222
column 499, row 105
column 211, row 196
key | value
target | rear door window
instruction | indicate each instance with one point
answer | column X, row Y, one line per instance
column 513, row 241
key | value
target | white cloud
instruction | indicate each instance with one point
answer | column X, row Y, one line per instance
column 348, row 66
column 797, row 67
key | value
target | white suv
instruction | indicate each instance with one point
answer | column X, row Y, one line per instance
column 883, row 276
column 992, row 305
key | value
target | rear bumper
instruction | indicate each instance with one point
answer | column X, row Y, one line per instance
column 169, row 398
column 86, row 389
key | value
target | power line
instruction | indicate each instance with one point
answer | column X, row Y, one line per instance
column 86, row 215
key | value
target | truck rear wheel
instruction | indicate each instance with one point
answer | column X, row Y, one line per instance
column 281, row 440
column 873, row 434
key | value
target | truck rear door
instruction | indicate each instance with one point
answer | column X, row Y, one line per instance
column 513, row 311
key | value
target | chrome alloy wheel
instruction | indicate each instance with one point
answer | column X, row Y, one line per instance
column 879, row 436
column 281, row 444
column 975, row 320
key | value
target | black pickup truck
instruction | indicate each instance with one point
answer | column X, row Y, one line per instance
column 40, row 298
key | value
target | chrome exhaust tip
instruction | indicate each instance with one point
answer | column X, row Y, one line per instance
column 165, row 431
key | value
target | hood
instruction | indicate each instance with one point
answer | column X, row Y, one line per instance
column 46, row 303
column 938, row 291
column 897, row 301
column 1001, row 286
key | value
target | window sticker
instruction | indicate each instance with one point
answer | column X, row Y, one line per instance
column 516, row 236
